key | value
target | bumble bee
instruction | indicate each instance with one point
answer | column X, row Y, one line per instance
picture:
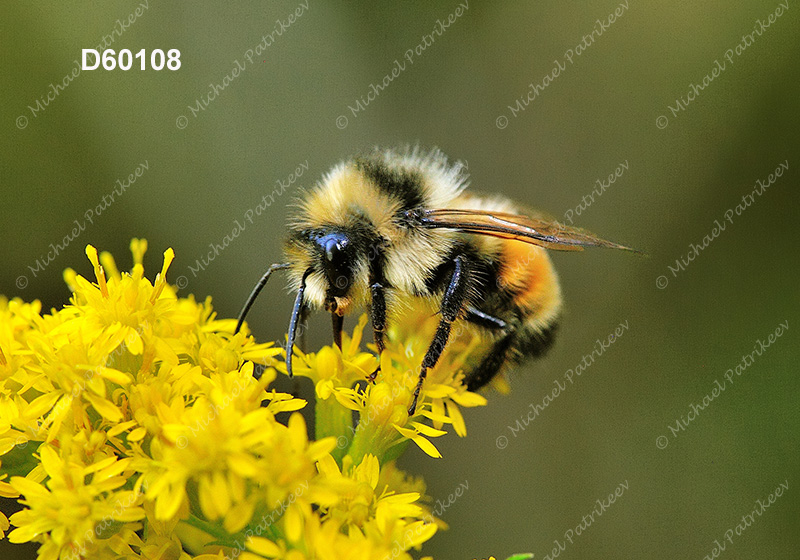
column 392, row 226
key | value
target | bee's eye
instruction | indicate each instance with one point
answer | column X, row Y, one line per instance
column 334, row 248
column 334, row 245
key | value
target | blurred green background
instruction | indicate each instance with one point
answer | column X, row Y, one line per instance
column 607, row 107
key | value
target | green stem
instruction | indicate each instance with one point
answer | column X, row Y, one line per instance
column 220, row 535
column 375, row 438
column 334, row 420
column 395, row 451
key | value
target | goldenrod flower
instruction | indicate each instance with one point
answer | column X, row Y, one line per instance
column 131, row 426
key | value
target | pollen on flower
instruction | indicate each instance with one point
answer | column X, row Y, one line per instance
column 132, row 426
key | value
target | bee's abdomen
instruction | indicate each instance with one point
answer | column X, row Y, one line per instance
column 528, row 279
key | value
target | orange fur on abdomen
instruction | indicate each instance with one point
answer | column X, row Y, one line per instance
column 528, row 276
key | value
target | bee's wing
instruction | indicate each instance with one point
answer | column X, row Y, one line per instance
column 540, row 230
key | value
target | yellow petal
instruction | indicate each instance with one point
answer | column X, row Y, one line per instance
column 27, row 487
column 327, row 466
column 244, row 465
column 7, row 491
column 297, row 430
column 419, row 532
column 323, row 389
column 91, row 252
column 208, row 499
column 119, row 428
column 129, row 513
column 133, row 342
column 99, row 465
column 427, row 430
column 458, row 420
column 400, row 510
column 22, row 534
column 345, row 398
column 423, row 443
column 41, row 405
column 51, row 462
column 7, row 444
column 137, row 434
column 115, row 375
column 328, row 362
column 109, row 264
column 70, row 279
column 294, row 524
column 408, row 433
column 169, row 502
column 263, row 546
column 404, row 498
column 138, row 249
column 358, row 332
column 319, row 449
column 439, row 391
column 238, row 517
column 220, row 488
column 437, row 413
column 469, row 399
column 288, row 405
column 169, row 256
column 427, row 446
column 371, row 468
column 104, row 407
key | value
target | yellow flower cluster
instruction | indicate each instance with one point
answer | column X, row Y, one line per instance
column 132, row 427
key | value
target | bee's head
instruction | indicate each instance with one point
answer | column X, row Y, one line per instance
column 336, row 255
column 335, row 259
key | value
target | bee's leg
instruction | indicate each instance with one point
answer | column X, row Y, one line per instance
column 454, row 296
column 337, row 321
column 491, row 363
column 297, row 310
column 378, row 318
column 478, row 317
column 378, row 311
column 378, row 315
column 496, row 356
column 519, row 342
column 303, row 328
column 257, row 290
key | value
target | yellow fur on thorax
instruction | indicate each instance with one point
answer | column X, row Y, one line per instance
column 344, row 195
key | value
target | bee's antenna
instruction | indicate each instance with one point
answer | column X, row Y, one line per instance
column 297, row 310
column 257, row 290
